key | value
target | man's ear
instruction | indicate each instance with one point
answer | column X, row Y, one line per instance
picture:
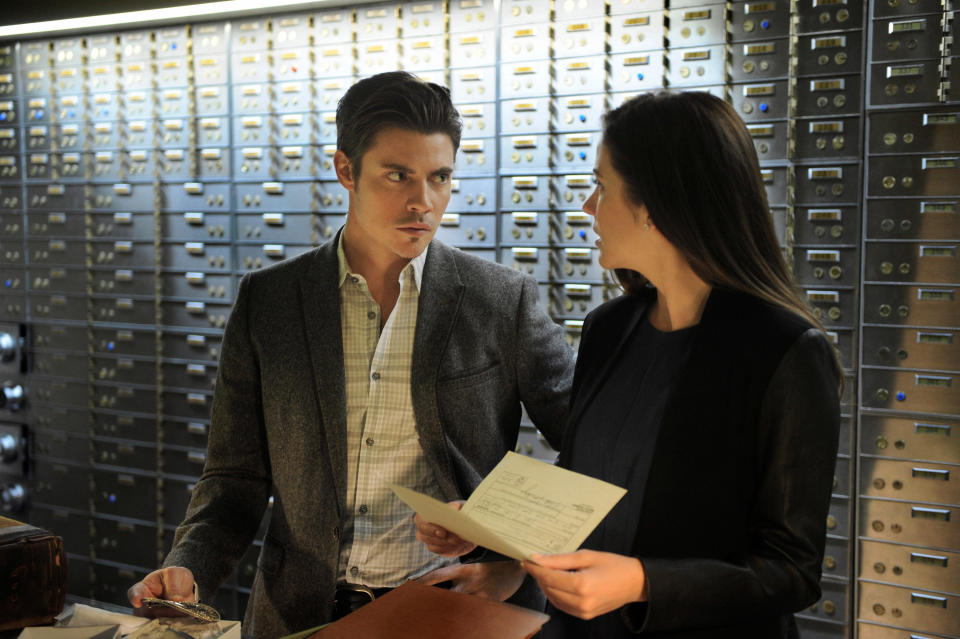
column 344, row 170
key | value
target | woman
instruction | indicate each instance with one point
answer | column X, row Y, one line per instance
column 708, row 390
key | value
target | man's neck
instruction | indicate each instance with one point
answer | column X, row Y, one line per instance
column 382, row 273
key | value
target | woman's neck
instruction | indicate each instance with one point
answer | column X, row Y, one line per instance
column 681, row 298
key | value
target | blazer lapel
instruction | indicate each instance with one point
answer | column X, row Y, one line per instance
column 593, row 384
column 320, row 302
column 439, row 306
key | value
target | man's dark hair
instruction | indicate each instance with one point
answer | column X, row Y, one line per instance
column 393, row 99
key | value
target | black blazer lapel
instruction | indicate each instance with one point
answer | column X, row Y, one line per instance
column 320, row 303
column 592, row 384
column 440, row 298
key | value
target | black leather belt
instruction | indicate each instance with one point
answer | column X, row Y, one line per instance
column 350, row 597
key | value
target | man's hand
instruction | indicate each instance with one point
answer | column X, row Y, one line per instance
column 587, row 583
column 173, row 583
column 496, row 580
column 440, row 540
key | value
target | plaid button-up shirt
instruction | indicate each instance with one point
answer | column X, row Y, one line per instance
column 379, row 548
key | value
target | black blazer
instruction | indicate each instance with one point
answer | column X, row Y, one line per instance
column 733, row 522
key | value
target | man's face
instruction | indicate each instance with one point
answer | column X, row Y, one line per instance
column 400, row 195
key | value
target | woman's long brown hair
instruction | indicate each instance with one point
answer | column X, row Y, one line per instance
column 689, row 159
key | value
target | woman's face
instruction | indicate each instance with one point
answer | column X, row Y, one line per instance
column 618, row 222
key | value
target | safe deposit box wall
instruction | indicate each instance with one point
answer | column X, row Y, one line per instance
column 143, row 171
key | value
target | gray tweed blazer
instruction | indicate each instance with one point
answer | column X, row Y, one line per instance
column 482, row 346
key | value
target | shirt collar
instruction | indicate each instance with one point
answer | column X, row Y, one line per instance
column 416, row 264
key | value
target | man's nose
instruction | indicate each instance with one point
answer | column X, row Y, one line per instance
column 418, row 197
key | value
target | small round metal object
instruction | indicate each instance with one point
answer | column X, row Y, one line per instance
column 200, row 611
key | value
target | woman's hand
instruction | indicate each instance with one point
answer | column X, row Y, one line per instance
column 440, row 540
column 588, row 583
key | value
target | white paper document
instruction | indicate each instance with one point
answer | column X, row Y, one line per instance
column 524, row 506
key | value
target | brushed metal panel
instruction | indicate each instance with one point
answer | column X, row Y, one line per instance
column 910, row 566
column 917, row 609
column 927, row 438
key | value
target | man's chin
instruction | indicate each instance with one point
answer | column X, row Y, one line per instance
column 413, row 246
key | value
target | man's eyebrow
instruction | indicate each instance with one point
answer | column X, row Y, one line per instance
column 406, row 169
column 396, row 167
column 596, row 172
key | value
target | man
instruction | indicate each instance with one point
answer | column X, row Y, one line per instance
column 381, row 357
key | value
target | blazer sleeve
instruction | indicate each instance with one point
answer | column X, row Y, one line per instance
column 778, row 570
column 229, row 500
column 544, row 364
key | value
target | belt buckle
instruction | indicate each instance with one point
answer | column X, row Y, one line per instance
column 359, row 589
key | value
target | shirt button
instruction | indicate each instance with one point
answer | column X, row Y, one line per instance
column 371, row 315
column 375, row 376
column 354, row 571
column 363, row 509
column 354, row 279
column 369, row 441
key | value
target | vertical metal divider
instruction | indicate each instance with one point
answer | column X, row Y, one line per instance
column 232, row 211
column 22, row 148
column 609, row 279
column 316, row 218
column 158, row 206
column 89, row 194
column 497, row 196
column 855, row 451
column 553, row 199
column 791, row 115
column 792, row 55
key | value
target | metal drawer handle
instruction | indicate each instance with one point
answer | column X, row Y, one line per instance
column 196, row 428
column 931, row 429
column 935, row 294
column 928, row 600
column 931, row 473
column 941, row 381
column 933, row 560
column 919, row 512
column 573, row 326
